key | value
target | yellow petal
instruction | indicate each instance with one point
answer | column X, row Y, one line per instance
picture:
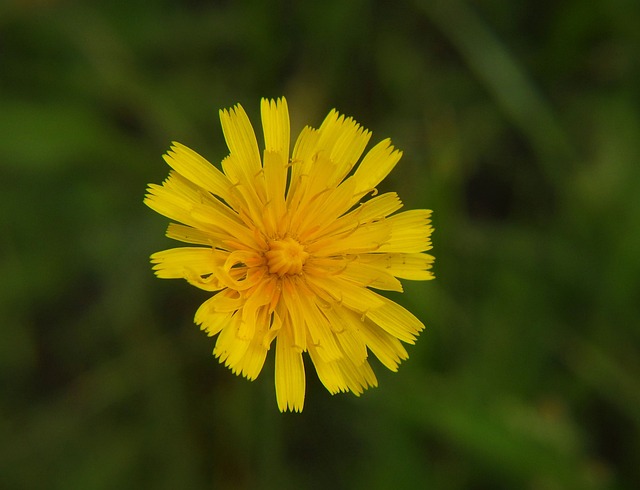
column 210, row 319
column 385, row 346
column 275, row 125
column 198, row 170
column 249, row 188
column 230, row 348
column 253, row 360
column 301, row 160
column 170, row 204
column 227, row 301
column 348, row 148
column 372, row 276
column 368, row 237
column 328, row 373
column 396, row 320
column 314, row 185
column 290, row 378
column 343, row 141
column 252, row 311
column 243, row 166
column 405, row 266
column 217, row 219
column 183, row 261
column 344, row 292
column 343, row 375
column 350, row 341
column 324, row 211
column 294, row 320
column 275, row 175
column 375, row 166
column 178, row 198
column 410, row 232
column 321, row 335
column 241, row 140
column 358, row 377
column 273, row 329
column 189, row 234
column 372, row 210
column 376, row 208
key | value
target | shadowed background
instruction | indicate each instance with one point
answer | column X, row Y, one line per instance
column 520, row 127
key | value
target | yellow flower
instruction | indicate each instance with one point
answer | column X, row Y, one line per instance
column 291, row 254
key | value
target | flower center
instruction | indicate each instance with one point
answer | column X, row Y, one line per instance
column 285, row 256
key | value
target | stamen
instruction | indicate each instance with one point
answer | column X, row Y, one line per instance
column 286, row 256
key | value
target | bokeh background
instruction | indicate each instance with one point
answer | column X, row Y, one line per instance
column 520, row 126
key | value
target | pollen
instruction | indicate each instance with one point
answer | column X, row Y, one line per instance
column 286, row 256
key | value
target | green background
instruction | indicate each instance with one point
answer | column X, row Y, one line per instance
column 520, row 126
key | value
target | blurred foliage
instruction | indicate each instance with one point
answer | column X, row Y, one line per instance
column 520, row 124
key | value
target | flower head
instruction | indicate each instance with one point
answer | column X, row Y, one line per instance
column 291, row 254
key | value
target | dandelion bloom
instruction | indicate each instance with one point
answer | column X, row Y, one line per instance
column 289, row 252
